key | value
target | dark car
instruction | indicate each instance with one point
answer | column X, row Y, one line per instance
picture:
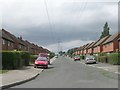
column 41, row 61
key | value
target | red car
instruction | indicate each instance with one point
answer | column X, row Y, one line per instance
column 44, row 55
column 76, row 58
column 41, row 61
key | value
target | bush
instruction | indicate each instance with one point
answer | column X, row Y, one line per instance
column 14, row 59
column 32, row 58
column 26, row 58
column 82, row 57
column 114, row 58
column 102, row 59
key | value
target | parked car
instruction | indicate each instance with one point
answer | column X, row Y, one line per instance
column 41, row 61
column 44, row 55
column 76, row 58
column 90, row 59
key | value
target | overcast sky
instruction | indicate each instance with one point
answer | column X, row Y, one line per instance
column 72, row 23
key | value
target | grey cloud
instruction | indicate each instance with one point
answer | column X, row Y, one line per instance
column 70, row 25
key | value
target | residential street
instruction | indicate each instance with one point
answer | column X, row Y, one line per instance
column 66, row 73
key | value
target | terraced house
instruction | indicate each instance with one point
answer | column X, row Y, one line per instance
column 111, row 44
column 108, row 44
column 7, row 42
column 11, row 42
column 97, row 48
column 119, row 44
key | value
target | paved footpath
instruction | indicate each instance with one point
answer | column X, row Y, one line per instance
column 15, row 77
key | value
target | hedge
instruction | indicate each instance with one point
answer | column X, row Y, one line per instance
column 114, row 58
column 82, row 57
column 33, row 58
column 111, row 58
column 14, row 59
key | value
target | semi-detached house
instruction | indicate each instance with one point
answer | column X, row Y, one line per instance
column 97, row 48
column 18, row 44
column 7, row 42
column 111, row 44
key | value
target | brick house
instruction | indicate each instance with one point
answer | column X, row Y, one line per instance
column 111, row 44
column 7, row 41
column 86, row 49
column 119, row 43
column 90, row 48
column 0, row 40
column 83, row 49
column 97, row 48
column 18, row 45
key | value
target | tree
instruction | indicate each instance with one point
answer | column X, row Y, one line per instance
column 105, row 30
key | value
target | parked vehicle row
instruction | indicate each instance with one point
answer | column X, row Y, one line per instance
column 89, row 59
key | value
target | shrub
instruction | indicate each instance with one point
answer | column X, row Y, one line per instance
column 26, row 58
column 102, row 59
column 114, row 58
column 14, row 59
column 32, row 58
column 82, row 57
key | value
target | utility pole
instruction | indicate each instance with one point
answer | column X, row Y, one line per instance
column 59, row 46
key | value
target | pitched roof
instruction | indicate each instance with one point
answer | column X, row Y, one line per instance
column 5, row 36
column 87, row 46
column 111, row 38
column 84, row 46
column 92, row 44
column 119, row 39
column 13, row 37
column 101, row 40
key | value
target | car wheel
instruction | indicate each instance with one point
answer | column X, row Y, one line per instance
column 35, row 66
column 46, row 67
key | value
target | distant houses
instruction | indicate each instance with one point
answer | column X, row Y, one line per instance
column 11, row 42
column 108, row 44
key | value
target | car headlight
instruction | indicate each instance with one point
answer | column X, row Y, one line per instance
column 36, row 62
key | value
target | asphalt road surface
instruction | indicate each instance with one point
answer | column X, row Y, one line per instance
column 66, row 73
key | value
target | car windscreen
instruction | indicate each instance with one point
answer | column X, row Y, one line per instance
column 43, row 55
column 90, row 57
column 41, row 58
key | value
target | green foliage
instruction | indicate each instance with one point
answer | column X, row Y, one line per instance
column 51, row 55
column 82, row 57
column 105, row 30
column 26, row 58
column 114, row 58
column 111, row 58
column 33, row 58
column 102, row 59
column 70, row 52
column 14, row 59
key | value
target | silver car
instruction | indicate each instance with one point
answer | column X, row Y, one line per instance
column 90, row 59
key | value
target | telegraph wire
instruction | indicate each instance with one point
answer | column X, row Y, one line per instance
column 51, row 26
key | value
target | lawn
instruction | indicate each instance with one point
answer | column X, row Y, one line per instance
column 3, row 71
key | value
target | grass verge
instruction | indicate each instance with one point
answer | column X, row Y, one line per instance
column 3, row 71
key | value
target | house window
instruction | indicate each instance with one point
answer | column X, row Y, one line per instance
column 109, row 44
column 105, row 46
column 20, row 46
column 9, row 43
column 3, row 41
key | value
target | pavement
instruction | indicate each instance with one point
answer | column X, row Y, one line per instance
column 16, row 77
